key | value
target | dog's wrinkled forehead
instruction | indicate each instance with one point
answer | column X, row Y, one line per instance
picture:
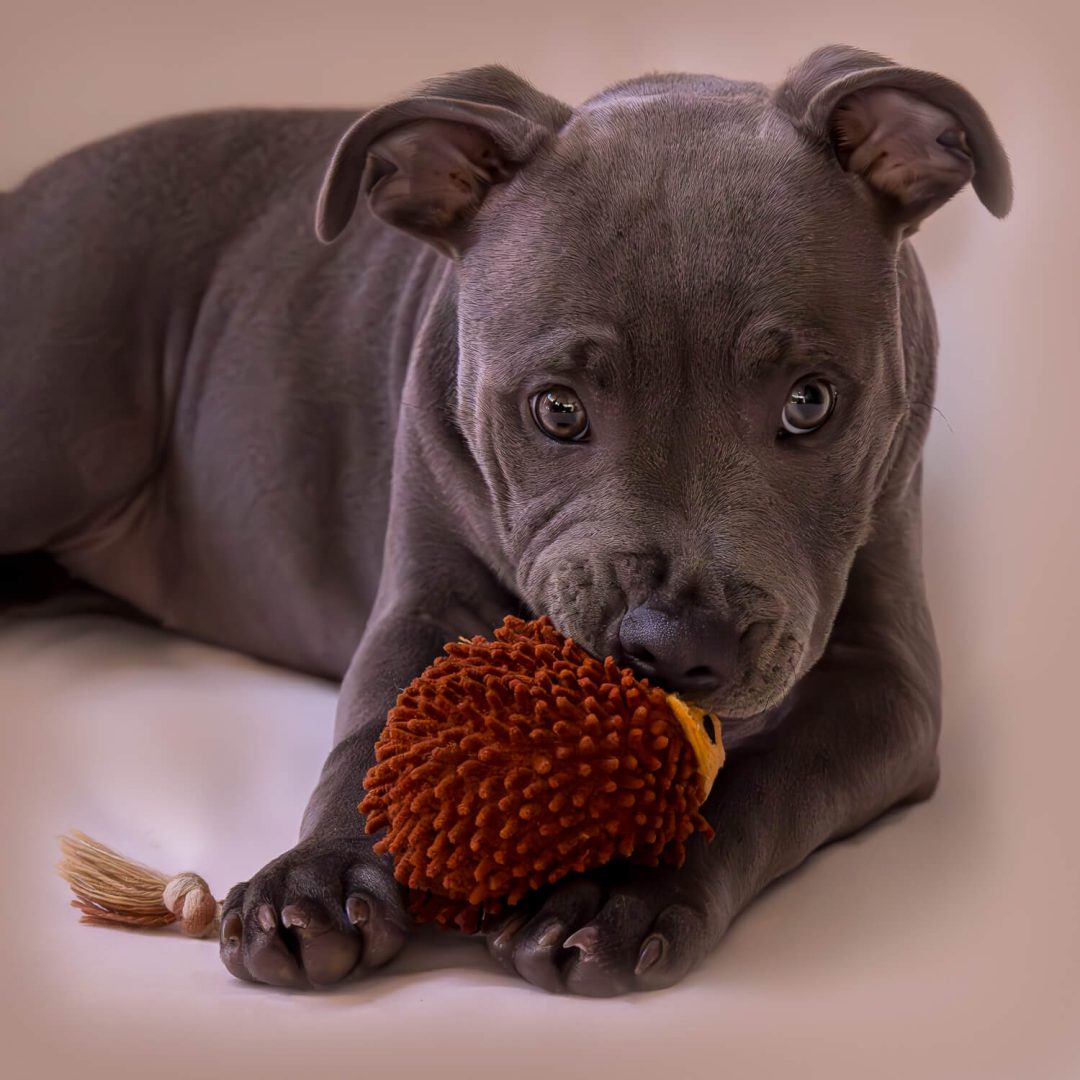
column 685, row 221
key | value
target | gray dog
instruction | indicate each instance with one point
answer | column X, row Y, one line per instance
column 660, row 367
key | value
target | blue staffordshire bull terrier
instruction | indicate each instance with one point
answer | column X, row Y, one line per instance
column 660, row 367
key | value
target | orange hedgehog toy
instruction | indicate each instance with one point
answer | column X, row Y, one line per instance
column 510, row 763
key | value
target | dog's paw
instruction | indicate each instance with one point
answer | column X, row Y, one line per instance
column 611, row 932
column 321, row 912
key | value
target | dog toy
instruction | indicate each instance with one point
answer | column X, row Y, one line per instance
column 506, row 765
column 510, row 763
column 111, row 890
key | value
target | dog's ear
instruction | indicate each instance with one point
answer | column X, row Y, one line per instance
column 914, row 138
column 426, row 163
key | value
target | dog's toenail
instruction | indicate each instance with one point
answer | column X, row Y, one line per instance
column 292, row 915
column 650, row 953
column 551, row 936
column 265, row 917
column 231, row 928
column 585, row 940
column 504, row 937
column 358, row 910
column 511, row 928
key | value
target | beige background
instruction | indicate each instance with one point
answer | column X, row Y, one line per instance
column 943, row 943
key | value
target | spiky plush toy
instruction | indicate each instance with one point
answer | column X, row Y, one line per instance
column 510, row 763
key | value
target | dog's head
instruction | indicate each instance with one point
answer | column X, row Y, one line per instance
column 681, row 371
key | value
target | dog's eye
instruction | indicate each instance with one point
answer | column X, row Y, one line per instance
column 559, row 412
column 810, row 403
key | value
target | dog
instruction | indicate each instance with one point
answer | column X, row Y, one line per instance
column 660, row 367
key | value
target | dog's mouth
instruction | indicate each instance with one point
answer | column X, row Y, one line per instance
column 769, row 664
column 760, row 692
column 729, row 731
column 755, row 702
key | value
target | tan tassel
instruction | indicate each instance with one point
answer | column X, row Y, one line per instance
column 111, row 889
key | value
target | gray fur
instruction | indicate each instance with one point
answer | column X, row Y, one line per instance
column 323, row 455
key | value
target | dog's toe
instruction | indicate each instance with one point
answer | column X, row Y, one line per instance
column 537, row 955
column 327, row 946
column 232, row 936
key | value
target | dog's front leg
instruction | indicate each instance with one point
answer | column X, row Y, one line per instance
column 330, row 907
column 858, row 735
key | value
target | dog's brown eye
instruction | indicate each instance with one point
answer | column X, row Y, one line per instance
column 560, row 413
column 810, row 403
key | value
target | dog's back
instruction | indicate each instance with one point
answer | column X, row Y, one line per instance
column 176, row 340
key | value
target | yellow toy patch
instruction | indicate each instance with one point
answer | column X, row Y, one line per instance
column 702, row 732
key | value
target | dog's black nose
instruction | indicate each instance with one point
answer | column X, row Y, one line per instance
column 693, row 653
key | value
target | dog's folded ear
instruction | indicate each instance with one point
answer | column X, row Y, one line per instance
column 426, row 163
column 914, row 138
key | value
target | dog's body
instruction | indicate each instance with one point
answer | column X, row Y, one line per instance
column 289, row 448
column 251, row 507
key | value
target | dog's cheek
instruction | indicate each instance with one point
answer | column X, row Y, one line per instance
column 580, row 596
column 568, row 592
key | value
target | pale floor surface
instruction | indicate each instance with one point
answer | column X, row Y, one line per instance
column 942, row 942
